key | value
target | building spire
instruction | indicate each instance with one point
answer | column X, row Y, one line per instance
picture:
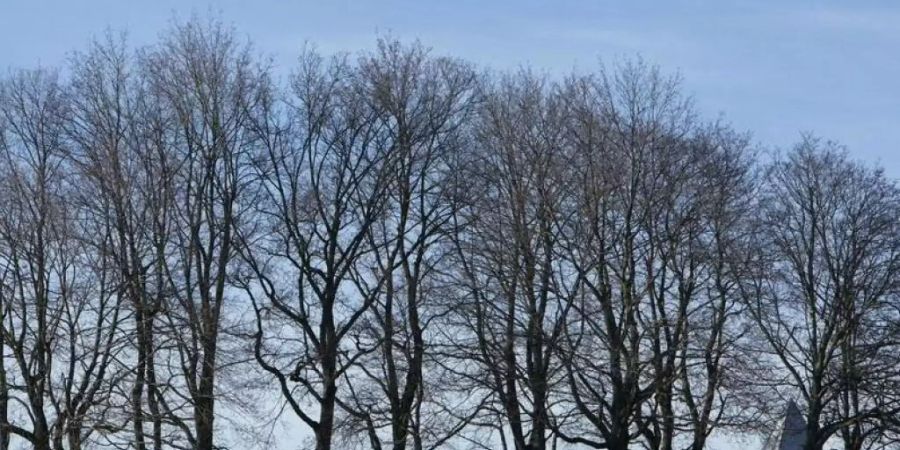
column 790, row 434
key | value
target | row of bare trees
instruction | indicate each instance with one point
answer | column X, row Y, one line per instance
column 397, row 250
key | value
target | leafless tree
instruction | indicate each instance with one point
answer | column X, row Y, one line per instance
column 709, row 394
column 423, row 104
column 322, row 175
column 629, row 131
column 208, row 84
column 120, row 162
column 824, row 291
column 61, row 314
column 514, row 298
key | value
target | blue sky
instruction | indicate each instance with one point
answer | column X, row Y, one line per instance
column 775, row 68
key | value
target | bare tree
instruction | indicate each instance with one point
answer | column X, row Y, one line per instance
column 515, row 305
column 709, row 392
column 5, row 433
column 423, row 103
column 208, row 84
column 824, row 287
column 322, row 175
column 121, row 159
column 35, row 256
column 61, row 314
column 628, row 131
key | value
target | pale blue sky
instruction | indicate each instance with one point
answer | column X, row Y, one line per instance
column 775, row 68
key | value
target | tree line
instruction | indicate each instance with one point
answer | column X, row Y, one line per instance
column 394, row 249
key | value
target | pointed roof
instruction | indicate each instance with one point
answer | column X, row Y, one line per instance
column 791, row 431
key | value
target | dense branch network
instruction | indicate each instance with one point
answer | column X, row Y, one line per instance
column 394, row 249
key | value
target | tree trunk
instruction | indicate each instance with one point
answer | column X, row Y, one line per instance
column 74, row 435
column 325, row 429
column 205, row 408
column 137, row 390
column 326, row 417
column 4, row 399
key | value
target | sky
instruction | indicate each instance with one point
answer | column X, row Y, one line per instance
column 774, row 68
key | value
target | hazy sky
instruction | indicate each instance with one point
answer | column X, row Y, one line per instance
column 775, row 68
